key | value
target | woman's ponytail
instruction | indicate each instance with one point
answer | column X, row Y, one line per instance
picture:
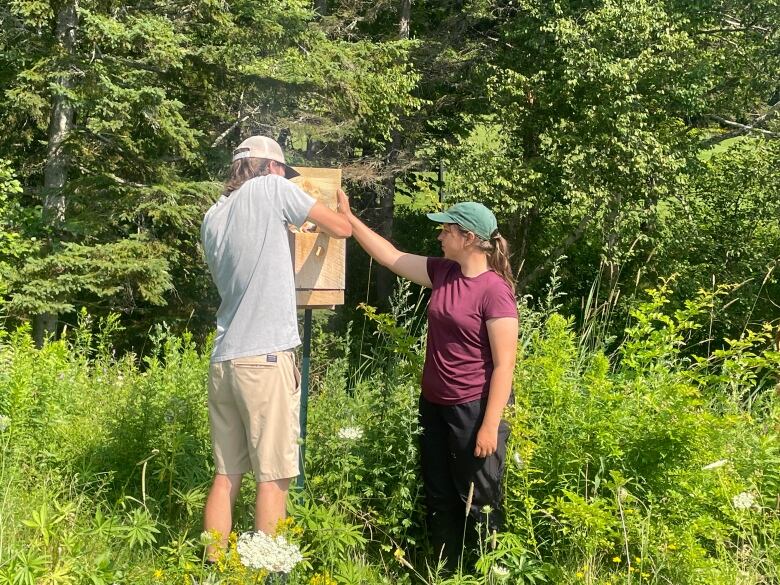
column 497, row 250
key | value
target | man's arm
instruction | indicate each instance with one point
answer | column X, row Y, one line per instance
column 334, row 224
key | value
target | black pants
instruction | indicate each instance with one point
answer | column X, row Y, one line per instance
column 449, row 467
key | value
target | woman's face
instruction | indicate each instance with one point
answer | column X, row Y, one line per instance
column 453, row 240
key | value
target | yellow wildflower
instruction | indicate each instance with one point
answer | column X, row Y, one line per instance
column 399, row 556
column 616, row 559
column 322, row 579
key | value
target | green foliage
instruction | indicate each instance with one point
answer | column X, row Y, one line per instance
column 647, row 464
column 729, row 218
column 375, row 474
column 645, row 438
column 599, row 132
column 13, row 246
column 581, row 125
column 636, row 467
column 133, row 268
column 160, row 94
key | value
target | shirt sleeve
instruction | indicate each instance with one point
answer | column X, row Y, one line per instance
column 437, row 269
column 500, row 302
column 296, row 204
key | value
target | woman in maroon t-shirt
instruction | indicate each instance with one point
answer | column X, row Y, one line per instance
column 469, row 362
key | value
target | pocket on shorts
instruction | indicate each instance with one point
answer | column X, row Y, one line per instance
column 297, row 375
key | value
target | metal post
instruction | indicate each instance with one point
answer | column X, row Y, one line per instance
column 441, row 181
column 304, row 389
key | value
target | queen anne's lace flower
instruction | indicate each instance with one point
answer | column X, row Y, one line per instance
column 500, row 572
column 209, row 538
column 743, row 501
column 257, row 550
column 351, row 433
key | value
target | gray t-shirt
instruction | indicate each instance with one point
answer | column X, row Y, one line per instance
column 245, row 238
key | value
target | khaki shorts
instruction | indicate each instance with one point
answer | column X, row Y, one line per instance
column 254, row 408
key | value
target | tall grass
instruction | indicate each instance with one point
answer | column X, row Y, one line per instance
column 647, row 464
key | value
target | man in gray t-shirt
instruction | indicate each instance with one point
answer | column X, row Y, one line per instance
column 253, row 381
column 245, row 239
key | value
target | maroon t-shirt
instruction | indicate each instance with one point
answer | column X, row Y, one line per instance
column 458, row 360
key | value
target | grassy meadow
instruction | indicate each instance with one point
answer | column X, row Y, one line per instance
column 653, row 459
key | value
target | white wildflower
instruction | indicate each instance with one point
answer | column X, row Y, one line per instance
column 257, row 550
column 500, row 572
column 351, row 433
column 5, row 422
column 518, row 460
column 715, row 464
column 622, row 494
column 743, row 501
column 209, row 538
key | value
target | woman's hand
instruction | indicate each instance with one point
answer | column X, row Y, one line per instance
column 487, row 441
column 342, row 204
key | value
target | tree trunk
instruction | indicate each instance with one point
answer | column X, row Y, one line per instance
column 558, row 252
column 55, row 173
column 385, row 279
column 523, row 237
column 406, row 16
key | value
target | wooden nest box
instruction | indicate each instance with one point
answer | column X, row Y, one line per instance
column 318, row 259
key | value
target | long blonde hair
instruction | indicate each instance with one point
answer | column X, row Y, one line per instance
column 244, row 169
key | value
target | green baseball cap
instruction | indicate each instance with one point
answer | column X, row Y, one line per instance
column 470, row 215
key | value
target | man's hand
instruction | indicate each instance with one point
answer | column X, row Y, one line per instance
column 487, row 441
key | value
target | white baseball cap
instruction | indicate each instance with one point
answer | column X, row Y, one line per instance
column 263, row 147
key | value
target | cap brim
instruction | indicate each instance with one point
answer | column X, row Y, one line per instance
column 290, row 173
column 440, row 217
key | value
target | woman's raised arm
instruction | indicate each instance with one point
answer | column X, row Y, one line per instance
column 410, row 266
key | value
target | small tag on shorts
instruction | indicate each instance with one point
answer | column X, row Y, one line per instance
column 270, row 358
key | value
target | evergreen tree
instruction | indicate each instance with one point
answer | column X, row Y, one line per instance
column 133, row 109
